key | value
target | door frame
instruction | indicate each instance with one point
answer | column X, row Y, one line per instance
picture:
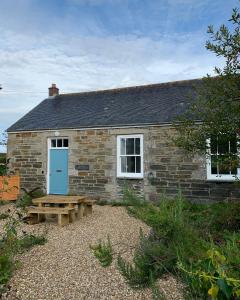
column 48, row 156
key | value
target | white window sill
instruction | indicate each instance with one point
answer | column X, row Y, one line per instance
column 223, row 179
column 129, row 177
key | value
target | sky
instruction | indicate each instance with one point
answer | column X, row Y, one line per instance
column 84, row 45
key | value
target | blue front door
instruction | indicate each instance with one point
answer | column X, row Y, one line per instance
column 58, row 171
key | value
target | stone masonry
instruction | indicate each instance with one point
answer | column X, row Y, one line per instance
column 167, row 169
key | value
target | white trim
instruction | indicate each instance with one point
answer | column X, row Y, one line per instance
column 48, row 157
column 218, row 177
column 129, row 175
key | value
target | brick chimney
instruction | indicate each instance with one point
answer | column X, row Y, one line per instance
column 53, row 90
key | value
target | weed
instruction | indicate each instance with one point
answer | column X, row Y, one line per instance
column 3, row 216
column 103, row 252
column 24, row 201
column 10, row 245
column 6, row 268
column 28, row 241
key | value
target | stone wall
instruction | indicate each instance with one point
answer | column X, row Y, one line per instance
column 167, row 169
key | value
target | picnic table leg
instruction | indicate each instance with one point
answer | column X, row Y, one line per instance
column 88, row 209
column 41, row 217
column 72, row 213
column 72, row 216
column 63, row 219
column 80, row 210
column 33, row 219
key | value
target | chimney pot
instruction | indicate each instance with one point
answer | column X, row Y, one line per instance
column 53, row 90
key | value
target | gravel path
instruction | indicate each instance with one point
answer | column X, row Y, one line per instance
column 65, row 268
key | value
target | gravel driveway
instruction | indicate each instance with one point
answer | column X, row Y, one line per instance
column 65, row 268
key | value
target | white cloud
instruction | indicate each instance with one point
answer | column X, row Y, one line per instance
column 29, row 64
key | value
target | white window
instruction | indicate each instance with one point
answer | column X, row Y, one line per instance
column 130, row 156
column 58, row 143
column 222, row 158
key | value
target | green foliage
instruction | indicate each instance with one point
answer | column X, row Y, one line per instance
column 3, row 138
column 181, row 235
column 11, row 244
column 3, row 216
column 103, row 252
column 24, row 201
column 3, row 164
column 28, row 241
column 102, row 202
column 6, row 268
column 112, row 203
column 130, row 199
column 217, row 102
column 156, row 293
column 212, row 276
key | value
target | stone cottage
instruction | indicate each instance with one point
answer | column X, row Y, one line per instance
column 94, row 142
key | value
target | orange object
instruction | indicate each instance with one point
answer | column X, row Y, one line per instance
column 9, row 187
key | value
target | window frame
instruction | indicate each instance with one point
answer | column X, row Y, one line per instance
column 121, row 174
column 219, row 177
column 57, row 138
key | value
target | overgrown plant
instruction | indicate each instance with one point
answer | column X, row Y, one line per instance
column 103, row 252
column 171, row 236
column 181, row 234
column 212, row 276
column 24, row 201
column 11, row 244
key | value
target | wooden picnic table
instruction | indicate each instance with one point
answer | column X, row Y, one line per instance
column 76, row 206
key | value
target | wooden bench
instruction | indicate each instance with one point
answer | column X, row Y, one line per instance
column 88, row 204
column 65, row 214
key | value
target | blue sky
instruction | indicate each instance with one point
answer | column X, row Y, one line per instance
column 97, row 44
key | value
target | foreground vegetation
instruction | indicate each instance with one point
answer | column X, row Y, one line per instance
column 13, row 242
column 197, row 243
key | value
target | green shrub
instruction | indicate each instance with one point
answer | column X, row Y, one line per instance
column 3, row 216
column 102, row 202
column 24, row 201
column 28, row 241
column 3, row 164
column 151, row 259
column 103, row 252
column 181, row 234
column 11, row 244
column 212, row 277
column 6, row 268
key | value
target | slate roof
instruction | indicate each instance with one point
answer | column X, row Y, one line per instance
column 140, row 105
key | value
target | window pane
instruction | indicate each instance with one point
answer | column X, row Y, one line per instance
column 130, row 146
column 123, row 164
column 65, row 143
column 223, row 164
column 122, row 146
column 223, row 144
column 234, row 164
column 131, row 164
column 138, row 164
column 214, row 164
column 233, row 144
column 59, row 142
column 53, row 143
column 137, row 146
column 213, row 143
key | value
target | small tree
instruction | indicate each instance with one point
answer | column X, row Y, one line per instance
column 215, row 112
column 3, row 139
